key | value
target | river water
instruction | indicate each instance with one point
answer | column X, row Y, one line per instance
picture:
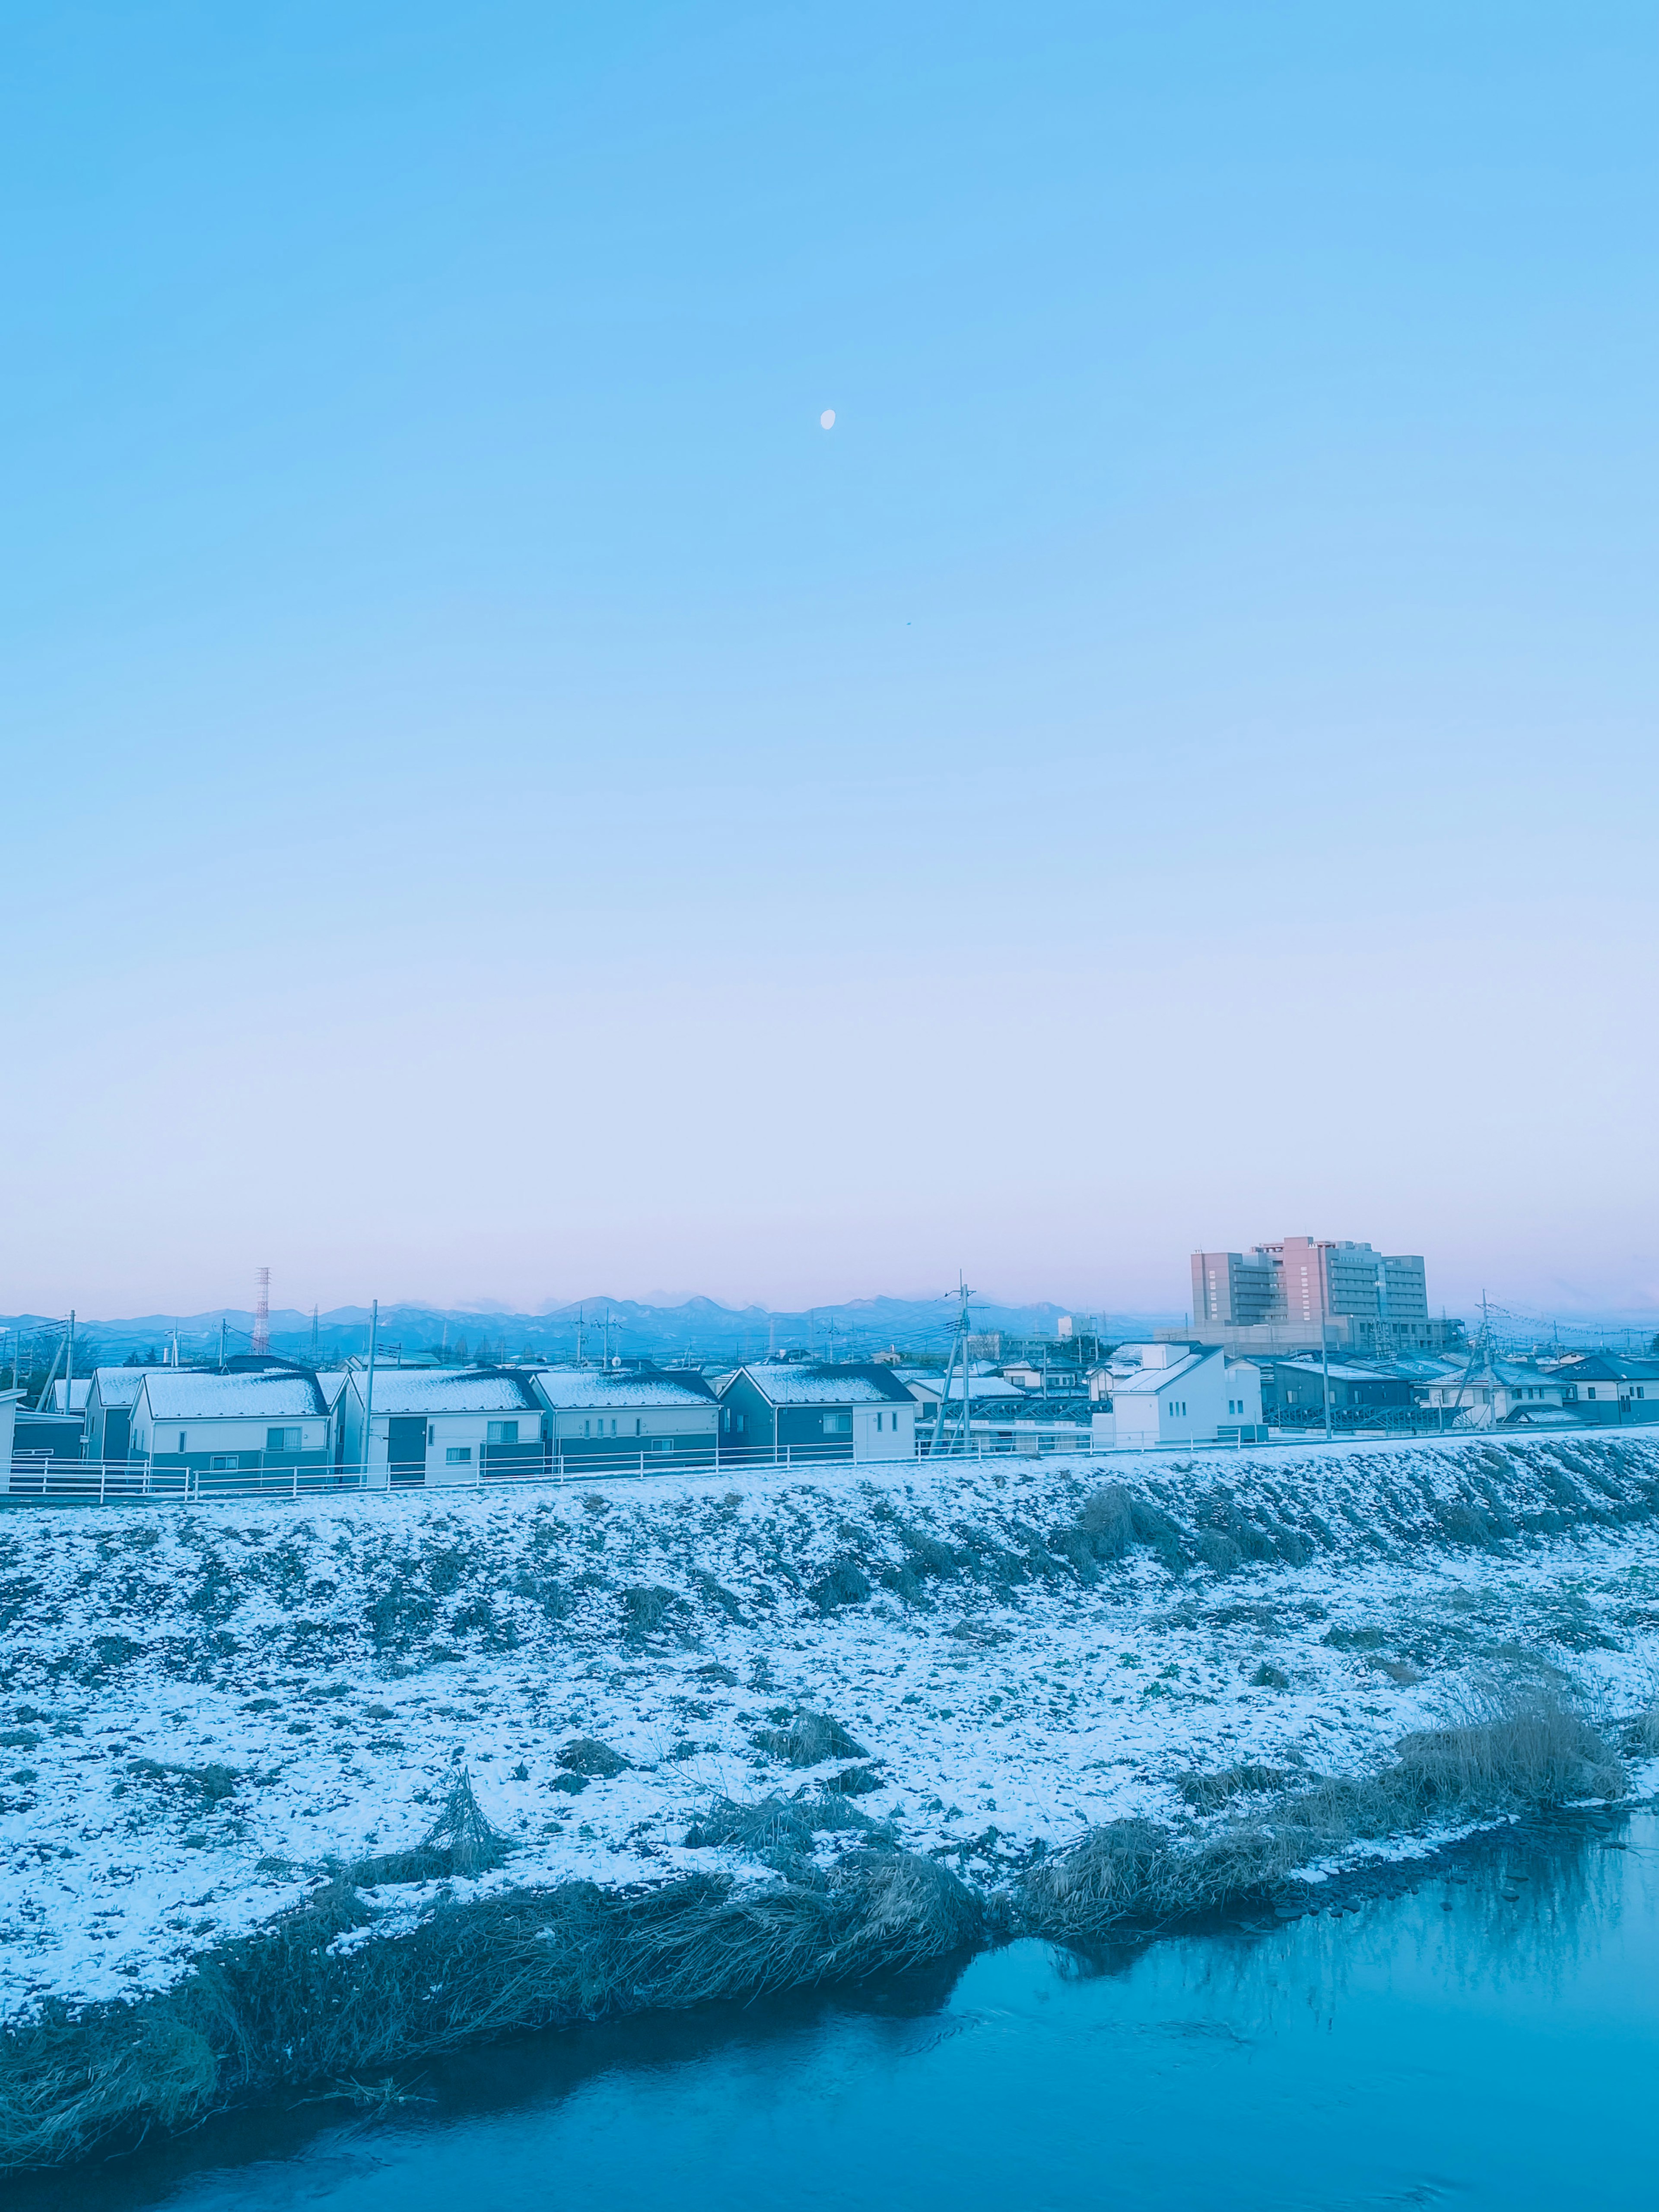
column 1488, row 2038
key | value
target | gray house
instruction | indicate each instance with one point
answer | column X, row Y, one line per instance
column 112, row 1394
column 622, row 1416
column 791, row 1409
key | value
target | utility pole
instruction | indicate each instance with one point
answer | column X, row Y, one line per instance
column 368, row 1392
column 222, row 1344
column 959, row 1340
column 1324, row 1342
column 69, row 1370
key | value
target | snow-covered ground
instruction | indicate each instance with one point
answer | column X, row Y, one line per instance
column 320, row 1671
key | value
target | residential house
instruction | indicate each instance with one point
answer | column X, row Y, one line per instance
column 405, row 1426
column 111, row 1396
column 605, row 1416
column 1176, row 1394
column 988, row 1393
column 808, row 1410
column 188, row 1421
column 1293, row 1390
column 1486, row 1390
column 69, row 1398
column 1607, row 1388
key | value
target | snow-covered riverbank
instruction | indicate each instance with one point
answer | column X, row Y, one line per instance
column 203, row 1711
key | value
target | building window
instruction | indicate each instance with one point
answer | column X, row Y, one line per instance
column 1590, row 1393
column 503, row 1432
column 226, row 1463
column 458, row 1455
column 662, row 1444
column 638, row 1426
column 282, row 1440
column 838, row 1425
column 431, row 1433
column 181, row 1433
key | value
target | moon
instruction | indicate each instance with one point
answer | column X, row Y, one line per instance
column 827, row 420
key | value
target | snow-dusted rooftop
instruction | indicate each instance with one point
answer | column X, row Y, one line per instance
column 790, row 1383
column 77, row 1391
column 1147, row 1382
column 176, row 1395
column 120, row 1386
column 447, row 1390
column 577, row 1388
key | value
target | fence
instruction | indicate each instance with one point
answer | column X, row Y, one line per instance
column 45, row 1479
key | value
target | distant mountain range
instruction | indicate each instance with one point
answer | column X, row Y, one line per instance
column 699, row 1329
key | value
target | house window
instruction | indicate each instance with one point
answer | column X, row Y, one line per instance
column 503, row 1432
column 584, row 1428
column 458, row 1455
column 638, row 1427
column 431, row 1433
column 838, row 1425
column 1590, row 1393
column 282, row 1440
column 226, row 1463
column 662, row 1444
column 878, row 1421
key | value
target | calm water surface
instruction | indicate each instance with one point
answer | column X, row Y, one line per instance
column 1501, row 2052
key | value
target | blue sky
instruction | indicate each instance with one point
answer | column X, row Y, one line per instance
column 505, row 805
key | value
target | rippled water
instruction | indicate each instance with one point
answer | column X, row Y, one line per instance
column 1490, row 2040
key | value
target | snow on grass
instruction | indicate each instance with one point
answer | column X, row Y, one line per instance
column 203, row 1711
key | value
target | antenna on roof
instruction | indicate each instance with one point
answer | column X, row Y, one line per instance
column 262, row 1309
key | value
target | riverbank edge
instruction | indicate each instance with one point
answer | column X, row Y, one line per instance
column 316, row 1997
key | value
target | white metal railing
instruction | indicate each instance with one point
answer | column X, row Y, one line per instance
column 43, row 1478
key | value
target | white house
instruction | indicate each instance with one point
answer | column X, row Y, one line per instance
column 222, row 1425
column 1178, row 1394
column 9, row 1404
column 435, row 1426
column 603, row 1416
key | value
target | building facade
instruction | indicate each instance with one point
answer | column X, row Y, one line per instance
column 1365, row 1300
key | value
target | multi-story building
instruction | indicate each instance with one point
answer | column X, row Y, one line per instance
column 1307, row 1291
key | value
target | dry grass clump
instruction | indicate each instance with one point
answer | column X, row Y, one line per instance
column 282, row 2007
column 1208, row 1793
column 809, row 1740
column 586, row 1755
column 461, row 1830
column 1536, row 1750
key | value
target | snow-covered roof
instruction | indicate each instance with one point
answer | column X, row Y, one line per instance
column 76, row 1392
column 1147, row 1382
column 120, row 1386
column 797, row 1383
column 1340, row 1371
column 564, row 1387
column 177, row 1394
column 331, row 1381
column 447, row 1390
